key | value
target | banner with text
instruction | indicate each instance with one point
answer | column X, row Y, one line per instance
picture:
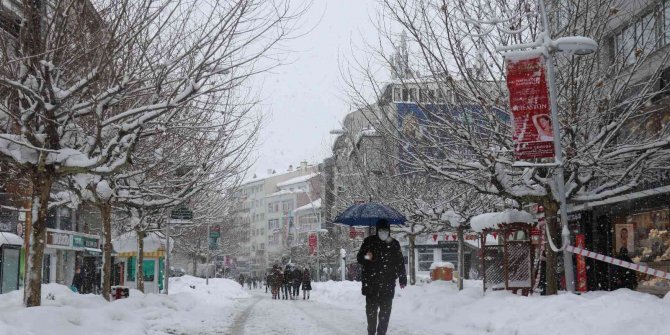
column 529, row 103
column 312, row 241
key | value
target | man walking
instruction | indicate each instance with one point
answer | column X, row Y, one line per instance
column 382, row 262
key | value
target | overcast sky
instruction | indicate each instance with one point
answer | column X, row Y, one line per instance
column 305, row 99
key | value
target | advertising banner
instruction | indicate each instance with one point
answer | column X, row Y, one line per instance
column 581, row 264
column 529, row 103
column 311, row 243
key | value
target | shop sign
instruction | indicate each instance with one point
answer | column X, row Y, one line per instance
column 448, row 246
column 60, row 239
column 356, row 233
column 84, row 242
column 529, row 103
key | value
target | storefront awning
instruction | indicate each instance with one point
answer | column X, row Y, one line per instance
column 152, row 254
column 93, row 250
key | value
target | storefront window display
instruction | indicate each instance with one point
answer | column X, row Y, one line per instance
column 645, row 237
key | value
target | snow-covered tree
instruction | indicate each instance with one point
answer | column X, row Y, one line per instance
column 83, row 83
column 614, row 136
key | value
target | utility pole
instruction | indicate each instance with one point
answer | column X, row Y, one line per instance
column 209, row 227
column 167, row 255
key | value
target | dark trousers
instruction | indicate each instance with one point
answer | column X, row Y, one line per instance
column 286, row 291
column 378, row 309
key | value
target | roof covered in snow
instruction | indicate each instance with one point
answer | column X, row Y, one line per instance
column 128, row 242
column 316, row 204
column 495, row 219
column 9, row 238
column 297, row 180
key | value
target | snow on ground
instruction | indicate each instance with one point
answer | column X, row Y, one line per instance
column 335, row 308
column 203, row 310
column 439, row 308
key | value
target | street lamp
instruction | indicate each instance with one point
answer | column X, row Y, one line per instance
column 577, row 45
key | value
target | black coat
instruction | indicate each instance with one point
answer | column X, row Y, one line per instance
column 78, row 281
column 379, row 274
column 288, row 277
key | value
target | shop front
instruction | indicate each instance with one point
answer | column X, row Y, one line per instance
column 67, row 250
column 153, row 264
column 10, row 261
column 635, row 230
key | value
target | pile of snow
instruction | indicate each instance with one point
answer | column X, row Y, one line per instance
column 203, row 310
column 495, row 219
column 436, row 265
column 439, row 308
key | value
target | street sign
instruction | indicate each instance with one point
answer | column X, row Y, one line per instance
column 529, row 102
column 181, row 212
column 215, row 231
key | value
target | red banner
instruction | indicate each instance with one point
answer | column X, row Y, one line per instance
column 581, row 264
column 311, row 243
column 529, row 102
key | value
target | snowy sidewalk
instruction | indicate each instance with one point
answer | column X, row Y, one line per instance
column 335, row 308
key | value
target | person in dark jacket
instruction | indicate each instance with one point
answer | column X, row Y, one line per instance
column 297, row 280
column 78, row 279
column 277, row 281
column 626, row 277
column 381, row 262
column 288, row 280
column 306, row 283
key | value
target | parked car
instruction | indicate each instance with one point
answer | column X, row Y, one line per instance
column 176, row 272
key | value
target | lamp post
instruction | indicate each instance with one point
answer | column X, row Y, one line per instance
column 576, row 45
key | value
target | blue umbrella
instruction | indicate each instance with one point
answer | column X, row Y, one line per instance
column 367, row 215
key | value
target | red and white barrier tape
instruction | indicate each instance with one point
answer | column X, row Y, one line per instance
column 617, row 262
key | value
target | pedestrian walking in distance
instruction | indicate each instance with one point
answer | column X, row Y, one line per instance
column 268, row 279
column 276, row 281
column 288, row 277
column 306, row 284
column 77, row 280
column 382, row 262
column 297, row 280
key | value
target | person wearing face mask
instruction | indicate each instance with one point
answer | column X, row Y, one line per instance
column 381, row 262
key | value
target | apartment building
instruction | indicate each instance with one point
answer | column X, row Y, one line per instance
column 265, row 206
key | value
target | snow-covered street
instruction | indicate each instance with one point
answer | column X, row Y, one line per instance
column 336, row 308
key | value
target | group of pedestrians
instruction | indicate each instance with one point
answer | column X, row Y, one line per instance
column 286, row 284
column 251, row 282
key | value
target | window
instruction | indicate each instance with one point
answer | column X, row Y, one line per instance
column 397, row 94
column 131, row 268
column 425, row 259
column 149, row 268
column 645, row 34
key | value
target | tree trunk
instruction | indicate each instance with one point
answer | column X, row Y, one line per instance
column 411, row 260
column 550, row 212
column 106, row 213
column 140, row 260
column 42, row 180
column 461, row 258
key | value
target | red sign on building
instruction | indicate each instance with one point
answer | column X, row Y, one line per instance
column 312, row 244
column 529, row 102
